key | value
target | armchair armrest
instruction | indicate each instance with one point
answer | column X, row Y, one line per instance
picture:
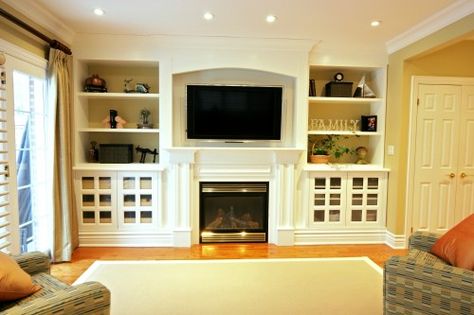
column 33, row 262
column 422, row 240
column 425, row 287
column 85, row 298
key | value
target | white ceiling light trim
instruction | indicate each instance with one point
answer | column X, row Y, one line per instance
column 270, row 18
column 208, row 16
column 443, row 18
column 42, row 17
column 375, row 23
column 99, row 11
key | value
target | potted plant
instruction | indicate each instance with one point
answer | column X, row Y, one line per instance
column 326, row 146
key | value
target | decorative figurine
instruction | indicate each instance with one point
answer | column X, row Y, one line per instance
column 142, row 88
column 361, row 154
column 93, row 154
column 113, row 120
column 144, row 152
column 363, row 89
column 126, row 86
column 144, row 120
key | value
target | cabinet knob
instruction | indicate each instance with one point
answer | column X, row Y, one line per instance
column 463, row 175
column 452, row 175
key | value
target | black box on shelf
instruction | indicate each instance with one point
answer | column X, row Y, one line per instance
column 339, row 89
column 115, row 153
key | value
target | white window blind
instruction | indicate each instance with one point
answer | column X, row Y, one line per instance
column 4, row 171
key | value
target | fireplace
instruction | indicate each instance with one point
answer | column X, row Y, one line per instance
column 233, row 212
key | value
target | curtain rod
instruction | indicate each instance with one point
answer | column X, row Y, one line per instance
column 52, row 42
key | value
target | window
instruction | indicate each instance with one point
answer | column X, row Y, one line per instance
column 31, row 119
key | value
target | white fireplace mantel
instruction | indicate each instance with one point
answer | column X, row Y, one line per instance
column 191, row 165
column 230, row 155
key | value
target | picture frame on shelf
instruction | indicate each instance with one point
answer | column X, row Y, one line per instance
column 368, row 123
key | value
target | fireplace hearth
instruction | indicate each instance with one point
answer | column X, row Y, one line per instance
column 233, row 212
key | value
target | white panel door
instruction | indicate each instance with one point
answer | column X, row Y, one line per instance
column 465, row 175
column 436, row 145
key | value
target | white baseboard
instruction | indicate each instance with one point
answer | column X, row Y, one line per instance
column 396, row 241
column 126, row 239
column 319, row 237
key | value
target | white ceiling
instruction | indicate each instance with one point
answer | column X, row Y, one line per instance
column 320, row 20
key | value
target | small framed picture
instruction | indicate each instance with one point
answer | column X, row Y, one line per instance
column 368, row 123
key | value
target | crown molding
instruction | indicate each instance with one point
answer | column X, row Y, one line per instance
column 441, row 19
column 35, row 12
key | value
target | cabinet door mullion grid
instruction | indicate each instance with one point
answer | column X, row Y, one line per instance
column 96, row 204
column 365, row 199
column 137, row 200
column 328, row 200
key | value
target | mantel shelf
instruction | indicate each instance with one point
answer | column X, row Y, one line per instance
column 119, row 130
column 111, row 95
column 347, row 100
column 344, row 133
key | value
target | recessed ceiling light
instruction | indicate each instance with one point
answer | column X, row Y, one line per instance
column 375, row 23
column 208, row 16
column 99, row 11
column 270, row 18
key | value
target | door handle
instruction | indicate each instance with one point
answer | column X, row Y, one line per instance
column 452, row 175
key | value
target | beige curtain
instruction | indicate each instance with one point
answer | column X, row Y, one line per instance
column 65, row 237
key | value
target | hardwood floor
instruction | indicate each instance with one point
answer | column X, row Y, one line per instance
column 85, row 256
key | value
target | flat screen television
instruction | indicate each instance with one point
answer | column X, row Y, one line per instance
column 229, row 112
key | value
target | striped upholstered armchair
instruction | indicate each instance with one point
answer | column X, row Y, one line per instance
column 56, row 297
column 421, row 283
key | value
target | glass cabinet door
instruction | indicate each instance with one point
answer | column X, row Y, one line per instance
column 328, row 199
column 137, row 200
column 365, row 199
column 96, row 201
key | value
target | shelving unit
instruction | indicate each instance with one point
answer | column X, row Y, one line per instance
column 349, row 109
column 344, row 197
column 91, row 108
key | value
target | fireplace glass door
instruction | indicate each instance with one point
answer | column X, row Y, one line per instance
column 234, row 212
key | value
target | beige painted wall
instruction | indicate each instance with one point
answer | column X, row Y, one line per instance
column 16, row 35
column 440, row 54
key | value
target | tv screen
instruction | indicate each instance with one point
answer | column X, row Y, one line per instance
column 224, row 112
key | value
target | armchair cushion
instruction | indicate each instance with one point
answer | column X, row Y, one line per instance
column 456, row 245
column 15, row 283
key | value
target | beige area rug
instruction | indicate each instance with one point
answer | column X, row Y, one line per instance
column 242, row 286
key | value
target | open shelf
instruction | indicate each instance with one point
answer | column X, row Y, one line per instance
column 349, row 100
column 344, row 133
column 120, row 130
column 107, row 95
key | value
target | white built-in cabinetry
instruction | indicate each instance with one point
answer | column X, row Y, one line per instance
column 344, row 196
column 91, row 108
column 116, row 201
column 347, row 199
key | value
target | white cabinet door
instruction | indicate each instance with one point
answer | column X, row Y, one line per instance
column 137, row 200
column 342, row 199
column 328, row 199
column 96, row 201
column 366, row 199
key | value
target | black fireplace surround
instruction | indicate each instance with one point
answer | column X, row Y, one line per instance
column 233, row 212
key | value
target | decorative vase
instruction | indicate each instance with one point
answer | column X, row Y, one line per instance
column 319, row 159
